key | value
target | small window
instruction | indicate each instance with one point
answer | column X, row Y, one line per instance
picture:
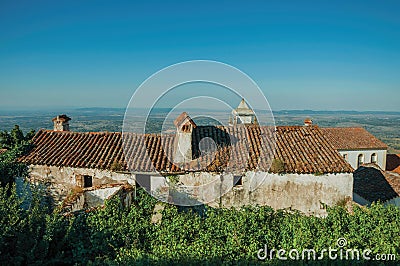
column 186, row 128
column 237, row 180
column 360, row 160
column 374, row 158
column 87, row 181
column 345, row 156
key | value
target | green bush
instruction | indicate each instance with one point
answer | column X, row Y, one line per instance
column 117, row 235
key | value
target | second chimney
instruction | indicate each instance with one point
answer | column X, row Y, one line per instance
column 61, row 123
column 308, row 122
column 183, row 139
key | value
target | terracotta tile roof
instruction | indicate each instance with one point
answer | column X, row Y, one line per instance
column 75, row 149
column 373, row 184
column 182, row 118
column 352, row 138
column 2, row 151
column 306, row 150
column 301, row 149
column 393, row 163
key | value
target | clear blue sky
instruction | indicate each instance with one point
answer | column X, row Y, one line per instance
column 330, row 55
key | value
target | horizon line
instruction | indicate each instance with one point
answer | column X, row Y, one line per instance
column 58, row 109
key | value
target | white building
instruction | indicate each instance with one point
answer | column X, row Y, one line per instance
column 357, row 146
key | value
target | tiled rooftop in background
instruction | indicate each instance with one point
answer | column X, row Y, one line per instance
column 303, row 150
column 373, row 184
column 393, row 163
column 352, row 138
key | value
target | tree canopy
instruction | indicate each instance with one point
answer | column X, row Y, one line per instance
column 16, row 144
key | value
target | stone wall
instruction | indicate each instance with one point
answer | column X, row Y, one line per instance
column 290, row 191
column 78, row 204
column 183, row 147
column 299, row 192
column 89, row 198
column 97, row 197
column 61, row 180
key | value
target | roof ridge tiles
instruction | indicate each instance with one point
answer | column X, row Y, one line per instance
column 302, row 149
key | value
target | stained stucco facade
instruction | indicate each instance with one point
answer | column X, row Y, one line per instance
column 303, row 192
column 61, row 180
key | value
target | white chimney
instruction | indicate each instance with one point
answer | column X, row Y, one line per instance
column 183, row 139
column 61, row 123
column 308, row 122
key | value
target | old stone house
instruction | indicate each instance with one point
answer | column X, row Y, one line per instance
column 357, row 146
column 306, row 169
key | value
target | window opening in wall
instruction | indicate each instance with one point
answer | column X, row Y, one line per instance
column 87, row 181
column 374, row 158
column 360, row 160
column 237, row 180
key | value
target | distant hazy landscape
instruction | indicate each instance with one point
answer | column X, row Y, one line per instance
column 384, row 125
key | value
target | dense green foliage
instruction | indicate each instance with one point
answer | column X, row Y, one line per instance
column 15, row 138
column 16, row 144
column 118, row 235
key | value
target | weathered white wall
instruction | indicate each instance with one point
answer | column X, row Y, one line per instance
column 183, row 147
column 94, row 197
column 97, row 197
column 60, row 180
column 202, row 187
column 352, row 157
column 159, row 187
column 301, row 192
